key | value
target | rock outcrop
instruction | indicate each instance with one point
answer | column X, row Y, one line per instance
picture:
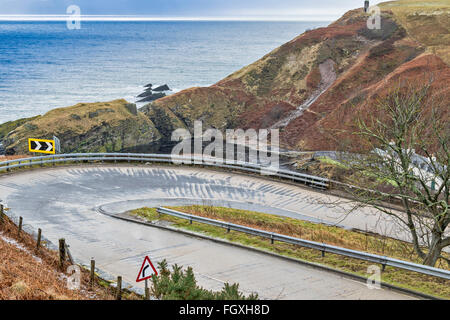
column 164, row 87
column 114, row 126
column 146, row 93
column 152, row 96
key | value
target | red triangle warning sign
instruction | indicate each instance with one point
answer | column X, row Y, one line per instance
column 147, row 270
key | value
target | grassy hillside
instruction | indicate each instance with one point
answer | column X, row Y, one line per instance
column 312, row 87
column 427, row 22
column 88, row 127
column 28, row 274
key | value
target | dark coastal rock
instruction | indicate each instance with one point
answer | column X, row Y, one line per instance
column 145, row 94
column 153, row 97
column 148, row 85
column 162, row 88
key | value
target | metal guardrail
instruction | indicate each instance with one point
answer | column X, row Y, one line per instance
column 325, row 248
column 317, row 182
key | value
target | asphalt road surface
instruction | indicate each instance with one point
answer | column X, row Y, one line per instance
column 64, row 202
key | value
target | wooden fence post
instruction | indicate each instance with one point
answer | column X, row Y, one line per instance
column 119, row 288
column 92, row 272
column 69, row 255
column 38, row 242
column 62, row 252
column 20, row 226
column 1, row 213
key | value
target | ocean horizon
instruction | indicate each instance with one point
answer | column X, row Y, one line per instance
column 44, row 65
column 130, row 18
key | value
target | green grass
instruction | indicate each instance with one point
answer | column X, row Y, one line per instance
column 9, row 126
column 317, row 232
column 414, row 5
column 340, row 165
column 332, row 162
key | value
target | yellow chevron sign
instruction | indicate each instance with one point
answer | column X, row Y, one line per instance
column 41, row 146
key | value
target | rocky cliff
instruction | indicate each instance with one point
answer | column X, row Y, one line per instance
column 89, row 127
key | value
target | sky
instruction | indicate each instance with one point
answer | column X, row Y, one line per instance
column 240, row 9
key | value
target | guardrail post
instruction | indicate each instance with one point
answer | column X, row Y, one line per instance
column 38, row 242
column 383, row 267
column 271, row 238
column 1, row 213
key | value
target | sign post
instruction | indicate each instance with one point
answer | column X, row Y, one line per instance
column 57, row 144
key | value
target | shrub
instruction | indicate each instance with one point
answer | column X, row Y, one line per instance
column 180, row 284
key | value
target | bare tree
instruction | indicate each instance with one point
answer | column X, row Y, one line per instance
column 407, row 158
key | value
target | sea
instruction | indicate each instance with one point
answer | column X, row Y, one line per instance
column 45, row 65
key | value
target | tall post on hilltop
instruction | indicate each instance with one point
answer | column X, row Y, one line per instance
column 366, row 6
